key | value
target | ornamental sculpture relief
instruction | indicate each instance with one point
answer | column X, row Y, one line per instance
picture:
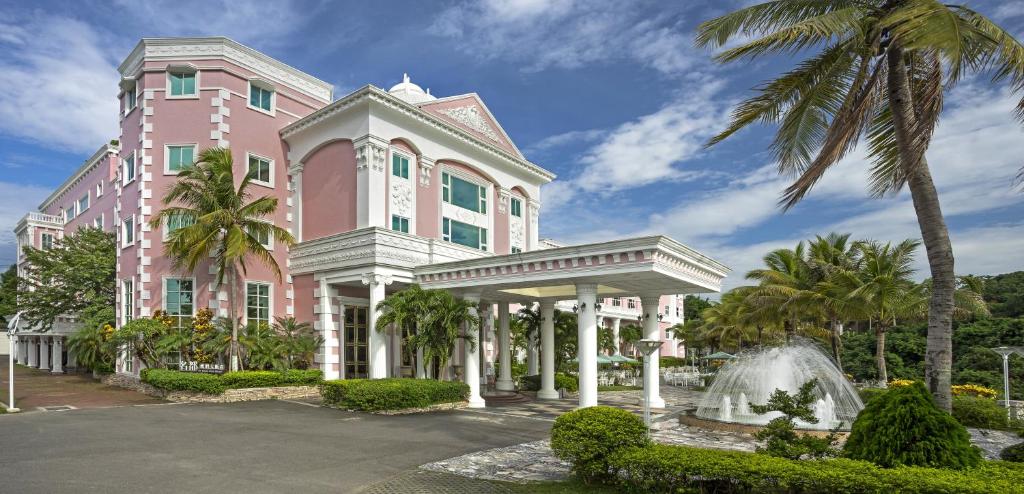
column 517, row 232
column 470, row 117
column 401, row 199
column 371, row 155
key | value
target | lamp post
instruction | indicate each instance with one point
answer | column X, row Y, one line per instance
column 647, row 347
column 1006, row 351
column 12, row 328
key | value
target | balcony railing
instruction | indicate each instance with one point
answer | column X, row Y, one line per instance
column 37, row 217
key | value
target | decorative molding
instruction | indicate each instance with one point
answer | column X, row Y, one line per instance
column 503, row 197
column 377, row 279
column 401, row 198
column 426, row 166
column 370, row 153
column 470, row 117
column 534, row 211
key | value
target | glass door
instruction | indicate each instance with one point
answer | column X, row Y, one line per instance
column 356, row 365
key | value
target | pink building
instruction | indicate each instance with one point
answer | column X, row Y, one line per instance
column 380, row 188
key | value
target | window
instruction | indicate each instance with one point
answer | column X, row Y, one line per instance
column 263, row 237
column 261, row 98
column 99, row 189
column 616, row 302
column 356, row 338
column 98, row 222
column 399, row 224
column 463, row 193
column 83, row 203
column 516, row 250
column 70, row 213
column 127, row 301
column 631, row 303
column 399, row 165
column 176, row 222
column 257, row 302
column 128, row 231
column 129, row 100
column 181, row 83
column 666, row 310
column 516, row 207
column 178, row 300
column 46, row 241
column 261, row 170
column 461, row 233
column 128, row 169
column 179, row 157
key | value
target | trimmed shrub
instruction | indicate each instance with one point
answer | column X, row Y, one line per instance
column 904, row 427
column 374, row 395
column 302, row 377
column 979, row 412
column 671, row 469
column 562, row 381
column 173, row 380
column 1013, row 453
column 869, row 394
column 588, row 436
column 671, row 362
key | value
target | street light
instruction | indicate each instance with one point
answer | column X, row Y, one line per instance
column 1006, row 351
column 647, row 348
column 12, row 328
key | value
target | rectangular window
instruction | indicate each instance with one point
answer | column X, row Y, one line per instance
column 631, row 304
column 178, row 300
column 83, row 203
column 176, row 222
column 129, row 100
column 182, row 83
column 463, row 193
column 70, row 212
column 461, row 233
column 616, row 302
column 99, row 189
column 261, row 170
column 516, row 250
column 666, row 310
column 399, row 166
column 128, row 231
column 257, row 302
column 127, row 299
column 98, row 222
column 516, row 207
column 260, row 97
column 263, row 237
column 46, row 241
column 128, row 169
column 399, row 224
column 179, row 157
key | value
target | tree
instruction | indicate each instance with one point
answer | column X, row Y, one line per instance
column 779, row 435
column 75, row 277
column 219, row 224
column 880, row 72
column 92, row 347
column 406, row 310
column 8, row 294
column 786, row 288
column 693, row 306
column 441, row 327
column 566, row 332
column 300, row 341
column 828, row 257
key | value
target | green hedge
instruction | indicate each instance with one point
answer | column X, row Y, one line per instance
column 672, row 362
column 391, row 394
column 173, row 380
column 589, row 436
column 562, row 381
column 664, row 468
column 985, row 413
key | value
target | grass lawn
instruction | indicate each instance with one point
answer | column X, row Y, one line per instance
column 568, row 487
column 619, row 388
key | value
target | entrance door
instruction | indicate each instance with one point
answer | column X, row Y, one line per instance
column 356, row 364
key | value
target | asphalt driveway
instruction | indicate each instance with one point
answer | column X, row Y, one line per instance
column 269, row 446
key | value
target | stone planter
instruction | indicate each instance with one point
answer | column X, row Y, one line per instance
column 229, row 396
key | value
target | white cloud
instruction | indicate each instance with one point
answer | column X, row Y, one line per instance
column 59, row 84
column 567, row 34
column 1008, row 10
column 255, row 22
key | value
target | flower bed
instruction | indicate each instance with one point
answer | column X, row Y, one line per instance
column 378, row 395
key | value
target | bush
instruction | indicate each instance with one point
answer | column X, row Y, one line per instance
column 979, row 412
column 173, row 380
column 869, row 394
column 1013, row 453
column 904, row 427
column 664, row 468
column 562, row 381
column 974, row 390
column 391, row 394
column 588, row 436
column 671, row 362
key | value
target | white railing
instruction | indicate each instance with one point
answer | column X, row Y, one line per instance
column 36, row 216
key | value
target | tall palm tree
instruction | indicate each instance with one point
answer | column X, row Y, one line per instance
column 786, row 286
column 441, row 327
column 406, row 310
column 884, row 284
column 828, row 257
column 219, row 218
column 880, row 70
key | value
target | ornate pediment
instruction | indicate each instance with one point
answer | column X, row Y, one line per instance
column 471, row 117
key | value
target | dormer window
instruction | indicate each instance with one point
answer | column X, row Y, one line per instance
column 181, row 82
column 261, row 96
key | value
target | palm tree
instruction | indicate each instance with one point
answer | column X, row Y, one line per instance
column 880, row 72
column 786, row 288
column 300, row 341
column 829, row 256
column 219, row 219
column 886, row 289
column 441, row 328
column 406, row 310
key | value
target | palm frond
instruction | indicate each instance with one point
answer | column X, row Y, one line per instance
column 828, row 27
column 762, row 18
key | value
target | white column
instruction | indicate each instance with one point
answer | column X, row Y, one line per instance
column 532, row 358
column 58, row 358
column 615, row 336
column 371, row 161
column 421, row 368
column 547, row 350
column 44, row 353
column 504, row 349
column 487, row 343
column 472, row 360
column 652, row 374
column 329, row 361
column 296, row 195
column 378, row 340
column 586, row 295
column 33, row 351
column 341, row 340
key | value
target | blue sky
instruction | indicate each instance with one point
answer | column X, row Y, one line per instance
column 610, row 95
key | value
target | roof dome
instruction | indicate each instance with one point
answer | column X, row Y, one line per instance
column 410, row 92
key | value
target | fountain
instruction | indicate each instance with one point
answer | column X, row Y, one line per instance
column 751, row 378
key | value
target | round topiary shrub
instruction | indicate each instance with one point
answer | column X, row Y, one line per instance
column 904, row 427
column 587, row 438
column 1013, row 453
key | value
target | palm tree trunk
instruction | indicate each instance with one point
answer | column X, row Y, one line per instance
column 233, row 313
column 837, row 342
column 883, row 375
column 789, row 328
column 935, row 235
column 760, row 330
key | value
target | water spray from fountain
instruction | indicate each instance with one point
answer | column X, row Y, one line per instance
column 752, row 378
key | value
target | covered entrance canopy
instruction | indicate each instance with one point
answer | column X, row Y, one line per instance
column 647, row 267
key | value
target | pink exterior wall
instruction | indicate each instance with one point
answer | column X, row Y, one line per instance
column 329, row 191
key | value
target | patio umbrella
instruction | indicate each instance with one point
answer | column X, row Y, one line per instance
column 601, row 359
column 720, row 356
column 622, row 359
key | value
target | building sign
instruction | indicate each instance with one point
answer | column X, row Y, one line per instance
column 201, row 368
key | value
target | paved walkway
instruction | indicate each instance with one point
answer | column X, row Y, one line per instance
column 36, row 389
column 676, row 400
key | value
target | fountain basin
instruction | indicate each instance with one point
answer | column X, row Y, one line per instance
column 691, row 420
